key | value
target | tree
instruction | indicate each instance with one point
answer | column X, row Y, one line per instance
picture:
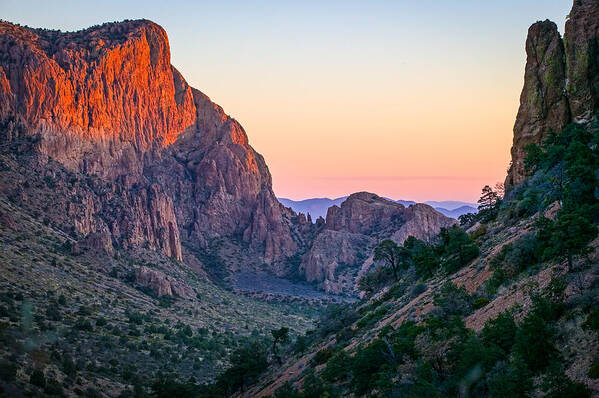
column 423, row 256
column 393, row 255
column 467, row 219
column 500, row 189
column 165, row 386
column 570, row 235
column 373, row 280
column 534, row 342
column 457, row 248
column 488, row 199
column 37, row 378
column 280, row 336
column 510, row 379
column 247, row 363
column 301, row 344
column 500, row 331
column 556, row 384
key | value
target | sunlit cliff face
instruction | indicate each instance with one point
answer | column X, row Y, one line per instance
column 109, row 82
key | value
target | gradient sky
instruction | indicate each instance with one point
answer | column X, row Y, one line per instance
column 411, row 100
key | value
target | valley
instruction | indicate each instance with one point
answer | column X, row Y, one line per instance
column 144, row 253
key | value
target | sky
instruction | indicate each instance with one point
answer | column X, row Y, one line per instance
column 410, row 100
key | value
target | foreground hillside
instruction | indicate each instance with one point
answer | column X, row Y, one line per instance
column 76, row 320
column 507, row 309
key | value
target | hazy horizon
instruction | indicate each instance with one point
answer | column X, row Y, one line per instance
column 406, row 100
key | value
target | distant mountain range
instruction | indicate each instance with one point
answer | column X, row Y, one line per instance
column 317, row 207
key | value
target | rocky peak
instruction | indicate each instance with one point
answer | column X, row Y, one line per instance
column 561, row 80
column 364, row 213
column 107, row 101
column 110, row 85
column 343, row 249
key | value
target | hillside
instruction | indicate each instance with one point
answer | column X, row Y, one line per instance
column 504, row 306
column 507, row 308
column 94, row 322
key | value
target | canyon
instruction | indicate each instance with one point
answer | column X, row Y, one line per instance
column 165, row 168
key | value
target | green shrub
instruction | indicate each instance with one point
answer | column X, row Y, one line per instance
column 480, row 302
column 53, row 387
column 453, row 300
column 366, row 366
column 323, row 355
column 594, row 371
column 8, row 370
column 534, row 342
column 457, row 249
column 83, row 324
column 480, row 231
column 495, row 281
column 287, row 390
column 418, row 289
column 556, row 384
column 592, row 321
column 338, row 367
column 37, row 378
column 511, row 379
column 500, row 331
column 68, row 366
column 53, row 312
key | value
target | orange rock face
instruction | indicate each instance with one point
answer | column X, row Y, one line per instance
column 106, row 101
column 108, row 83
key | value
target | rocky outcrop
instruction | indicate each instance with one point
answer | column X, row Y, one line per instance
column 561, row 81
column 344, row 247
column 100, row 214
column 422, row 222
column 581, row 40
column 543, row 102
column 108, row 88
column 334, row 259
column 106, row 101
column 365, row 213
column 162, row 284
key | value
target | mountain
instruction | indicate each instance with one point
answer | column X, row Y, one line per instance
column 560, row 81
column 105, row 101
column 144, row 253
column 457, row 212
column 343, row 249
column 450, row 204
column 139, row 229
column 318, row 207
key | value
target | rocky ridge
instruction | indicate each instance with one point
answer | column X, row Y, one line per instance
column 106, row 101
column 343, row 249
column 560, row 81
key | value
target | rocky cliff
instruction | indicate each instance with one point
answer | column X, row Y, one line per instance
column 343, row 249
column 99, row 97
column 560, row 80
column 106, row 101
